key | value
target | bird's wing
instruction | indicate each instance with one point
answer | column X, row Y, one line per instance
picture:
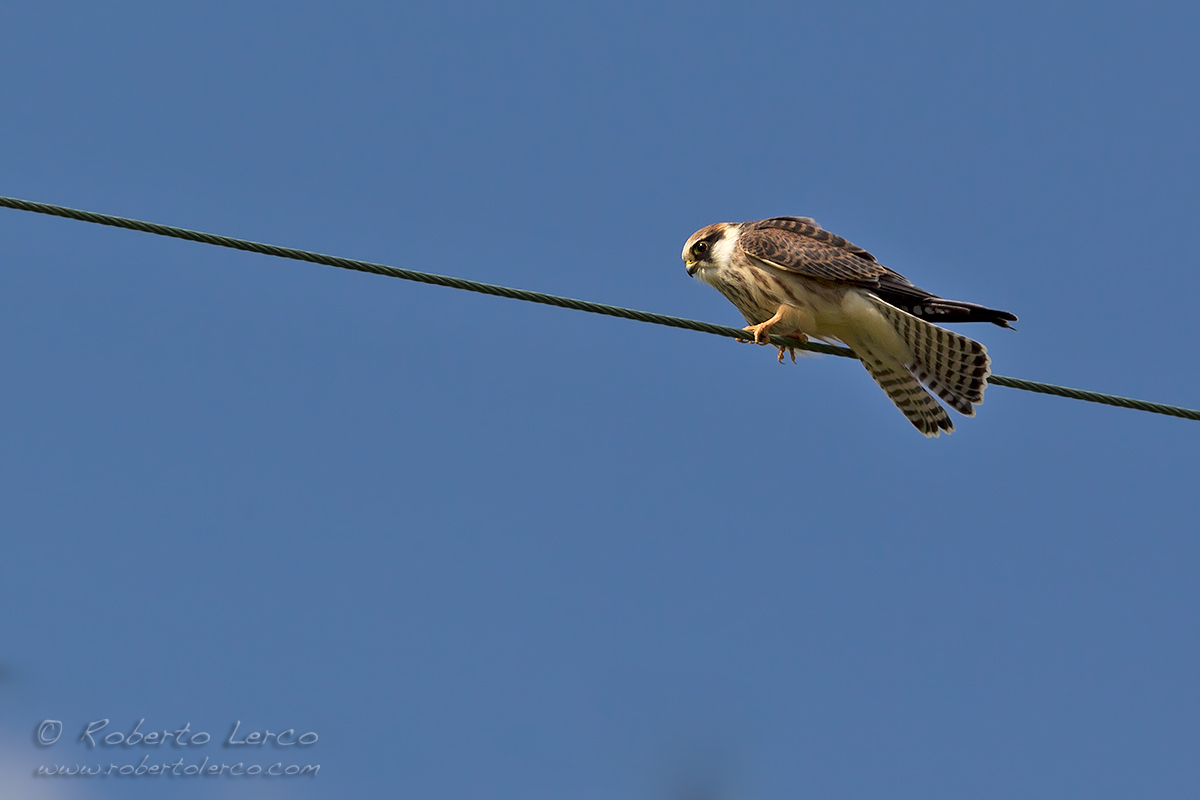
column 800, row 245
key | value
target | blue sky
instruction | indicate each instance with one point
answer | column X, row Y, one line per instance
column 489, row 549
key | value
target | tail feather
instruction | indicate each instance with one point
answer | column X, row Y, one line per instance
column 901, row 386
column 952, row 366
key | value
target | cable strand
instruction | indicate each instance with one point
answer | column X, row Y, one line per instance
column 546, row 299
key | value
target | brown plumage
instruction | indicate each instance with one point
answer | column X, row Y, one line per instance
column 789, row 276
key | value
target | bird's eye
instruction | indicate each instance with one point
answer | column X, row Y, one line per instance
column 699, row 248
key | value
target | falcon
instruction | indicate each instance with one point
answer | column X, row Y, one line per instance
column 790, row 277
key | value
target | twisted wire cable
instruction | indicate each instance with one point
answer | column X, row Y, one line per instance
column 548, row 299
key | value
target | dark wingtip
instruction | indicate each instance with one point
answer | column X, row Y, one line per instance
column 1002, row 318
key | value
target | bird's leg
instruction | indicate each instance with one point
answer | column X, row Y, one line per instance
column 799, row 337
column 762, row 331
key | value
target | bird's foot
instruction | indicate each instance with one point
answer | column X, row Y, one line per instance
column 799, row 337
column 761, row 331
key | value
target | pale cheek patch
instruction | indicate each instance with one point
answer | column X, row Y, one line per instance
column 723, row 247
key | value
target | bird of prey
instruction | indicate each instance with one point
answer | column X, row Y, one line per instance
column 790, row 277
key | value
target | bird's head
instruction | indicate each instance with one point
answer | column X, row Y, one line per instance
column 704, row 247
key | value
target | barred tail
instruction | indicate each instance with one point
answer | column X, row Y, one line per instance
column 954, row 367
column 898, row 381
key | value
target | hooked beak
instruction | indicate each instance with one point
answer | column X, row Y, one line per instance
column 692, row 266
